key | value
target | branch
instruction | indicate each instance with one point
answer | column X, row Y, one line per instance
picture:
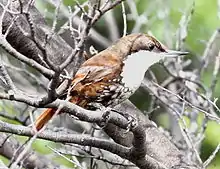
column 19, row 56
column 8, row 147
column 84, row 140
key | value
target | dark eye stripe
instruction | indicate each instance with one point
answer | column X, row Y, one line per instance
column 159, row 46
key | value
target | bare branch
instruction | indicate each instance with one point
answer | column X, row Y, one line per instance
column 8, row 146
column 211, row 157
column 67, row 138
column 19, row 56
column 124, row 19
column 206, row 54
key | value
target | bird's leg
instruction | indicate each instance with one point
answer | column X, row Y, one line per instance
column 106, row 112
column 132, row 121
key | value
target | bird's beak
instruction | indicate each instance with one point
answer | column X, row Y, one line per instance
column 174, row 53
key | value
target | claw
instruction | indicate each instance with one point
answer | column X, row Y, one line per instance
column 132, row 121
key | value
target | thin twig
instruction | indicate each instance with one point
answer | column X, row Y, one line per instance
column 215, row 74
column 7, row 78
column 60, row 154
column 212, row 156
column 206, row 54
column 22, row 154
column 124, row 19
column 46, row 72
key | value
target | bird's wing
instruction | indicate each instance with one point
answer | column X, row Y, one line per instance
column 93, row 77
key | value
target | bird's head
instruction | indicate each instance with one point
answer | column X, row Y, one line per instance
column 144, row 42
column 144, row 50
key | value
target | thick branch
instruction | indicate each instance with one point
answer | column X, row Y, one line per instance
column 84, row 140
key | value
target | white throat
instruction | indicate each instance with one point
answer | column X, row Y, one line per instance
column 136, row 65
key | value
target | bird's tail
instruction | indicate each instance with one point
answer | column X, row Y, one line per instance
column 44, row 118
column 48, row 114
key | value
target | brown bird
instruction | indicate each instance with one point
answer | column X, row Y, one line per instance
column 114, row 74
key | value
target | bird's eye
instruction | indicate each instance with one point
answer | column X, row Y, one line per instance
column 151, row 46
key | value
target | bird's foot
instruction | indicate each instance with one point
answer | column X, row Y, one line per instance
column 106, row 113
column 132, row 121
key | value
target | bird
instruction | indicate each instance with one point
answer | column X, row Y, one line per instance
column 114, row 74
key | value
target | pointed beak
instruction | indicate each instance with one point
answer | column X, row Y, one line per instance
column 174, row 53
